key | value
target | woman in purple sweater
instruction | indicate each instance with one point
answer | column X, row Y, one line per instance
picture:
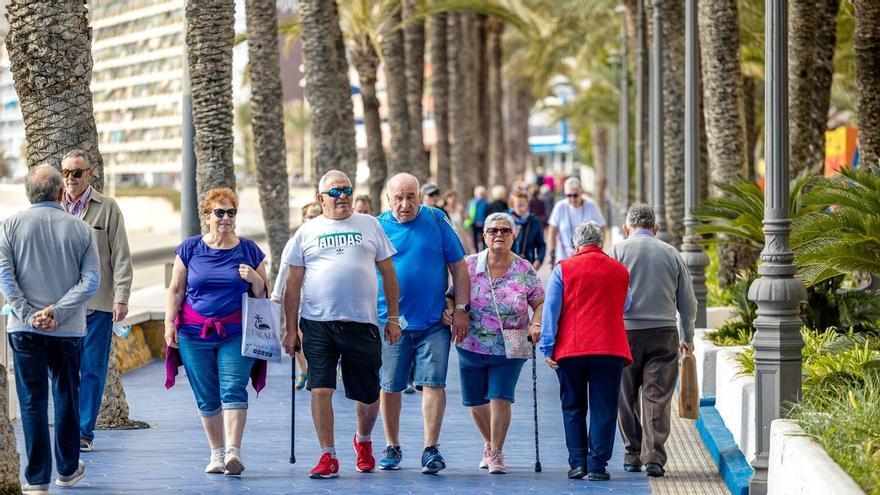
column 203, row 322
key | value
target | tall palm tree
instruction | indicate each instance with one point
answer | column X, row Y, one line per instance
column 494, row 31
column 470, row 66
column 458, row 117
column 440, row 94
column 802, row 25
column 414, row 48
column 867, row 44
column 482, row 120
column 210, row 29
column 723, row 101
column 267, row 122
column 394, row 56
column 327, row 87
column 823, row 75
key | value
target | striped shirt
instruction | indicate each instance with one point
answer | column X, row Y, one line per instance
column 77, row 207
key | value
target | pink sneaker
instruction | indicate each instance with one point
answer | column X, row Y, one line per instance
column 496, row 462
column 484, row 463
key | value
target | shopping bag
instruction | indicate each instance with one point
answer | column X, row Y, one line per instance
column 688, row 388
column 260, row 329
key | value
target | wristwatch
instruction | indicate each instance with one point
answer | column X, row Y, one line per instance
column 464, row 307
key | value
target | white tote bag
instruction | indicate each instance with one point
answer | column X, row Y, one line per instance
column 260, row 329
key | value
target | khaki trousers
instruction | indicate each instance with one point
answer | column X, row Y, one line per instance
column 646, row 394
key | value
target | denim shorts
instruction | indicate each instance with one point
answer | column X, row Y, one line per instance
column 217, row 372
column 426, row 352
column 485, row 377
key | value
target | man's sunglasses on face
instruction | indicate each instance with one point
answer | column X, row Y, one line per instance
column 572, row 195
column 219, row 212
column 76, row 173
column 339, row 191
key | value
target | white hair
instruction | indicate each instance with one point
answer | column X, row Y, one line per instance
column 500, row 217
column 641, row 216
column 572, row 183
column 331, row 174
column 588, row 234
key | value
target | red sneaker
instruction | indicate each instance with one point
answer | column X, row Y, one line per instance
column 366, row 463
column 327, row 467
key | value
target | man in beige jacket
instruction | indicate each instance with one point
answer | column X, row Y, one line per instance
column 110, row 303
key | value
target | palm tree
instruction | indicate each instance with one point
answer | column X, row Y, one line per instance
column 9, row 458
column 327, row 87
column 725, row 120
column 823, row 76
column 267, row 123
column 457, row 106
column 440, row 93
column 494, row 31
column 868, row 78
column 414, row 48
column 802, row 24
column 210, row 28
column 394, row 57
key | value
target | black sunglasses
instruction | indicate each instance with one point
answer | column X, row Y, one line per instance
column 502, row 231
column 76, row 173
column 572, row 195
column 339, row 191
column 219, row 212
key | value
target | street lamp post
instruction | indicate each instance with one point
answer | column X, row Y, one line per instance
column 778, row 292
column 623, row 134
column 691, row 250
column 189, row 202
column 640, row 96
column 656, row 114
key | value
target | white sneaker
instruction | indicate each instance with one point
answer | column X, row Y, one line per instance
column 232, row 462
column 71, row 480
column 215, row 466
column 35, row 489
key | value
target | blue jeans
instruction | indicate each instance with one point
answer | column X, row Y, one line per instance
column 590, row 382
column 37, row 359
column 485, row 377
column 217, row 373
column 425, row 352
column 93, row 370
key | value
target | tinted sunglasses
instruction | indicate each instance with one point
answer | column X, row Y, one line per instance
column 502, row 231
column 219, row 212
column 339, row 191
column 572, row 195
column 76, row 173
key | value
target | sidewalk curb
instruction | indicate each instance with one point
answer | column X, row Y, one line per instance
column 732, row 464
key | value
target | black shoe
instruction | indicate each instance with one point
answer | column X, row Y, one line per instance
column 654, row 470
column 576, row 473
column 632, row 468
column 599, row 476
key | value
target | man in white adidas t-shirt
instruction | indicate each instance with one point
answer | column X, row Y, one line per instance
column 567, row 214
column 333, row 261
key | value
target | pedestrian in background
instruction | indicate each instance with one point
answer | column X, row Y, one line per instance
column 48, row 270
column 537, row 206
column 476, row 217
column 363, row 204
column 529, row 243
column 499, row 201
column 585, row 342
column 567, row 214
column 203, row 326
column 662, row 292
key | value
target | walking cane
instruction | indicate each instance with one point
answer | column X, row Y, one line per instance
column 293, row 409
column 535, row 397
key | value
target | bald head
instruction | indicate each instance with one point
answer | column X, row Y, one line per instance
column 43, row 183
column 403, row 196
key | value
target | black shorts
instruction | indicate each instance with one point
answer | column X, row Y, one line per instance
column 359, row 345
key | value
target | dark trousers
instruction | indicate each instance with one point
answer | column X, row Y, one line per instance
column 646, row 394
column 39, row 358
column 477, row 232
column 93, row 370
column 589, row 382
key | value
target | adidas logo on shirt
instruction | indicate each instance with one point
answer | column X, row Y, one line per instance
column 340, row 240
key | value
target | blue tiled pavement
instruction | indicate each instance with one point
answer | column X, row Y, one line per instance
column 170, row 456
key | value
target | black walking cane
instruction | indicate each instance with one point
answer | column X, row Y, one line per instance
column 293, row 409
column 535, row 397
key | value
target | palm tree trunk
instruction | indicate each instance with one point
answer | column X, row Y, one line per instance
column 395, row 89
column 469, row 54
column 49, row 45
column 9, row 458
column 414, row 41
column 494, row 30
column 328, row 90
column 267, row 122
column 482, row 118
column 210, row 28
column 457, row 107
column 823, row 73
column 518, row 102
column 867, row 44
column 599, row 140
column 723, row 100
column 672, row 18
column 440, row 92
column 366, row 62
column 750, row 113
column 801, row 56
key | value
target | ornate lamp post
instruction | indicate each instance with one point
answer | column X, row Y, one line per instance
column 640, row 96
column 656, row 128
column 691, row 250
column 189, row 203
column 623, row 133
column 778, row 292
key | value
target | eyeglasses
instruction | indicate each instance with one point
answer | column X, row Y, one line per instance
column 572, row 195
column 76, row 173
column 339, row 191
column 219, row 212
column 505, row 231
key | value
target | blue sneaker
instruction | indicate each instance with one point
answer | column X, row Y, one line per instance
column 392, row 458
column 432, row 461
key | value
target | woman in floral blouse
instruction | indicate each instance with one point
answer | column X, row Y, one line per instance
column 503, row 288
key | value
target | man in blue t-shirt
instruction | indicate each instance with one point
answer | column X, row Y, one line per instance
column 427, row 249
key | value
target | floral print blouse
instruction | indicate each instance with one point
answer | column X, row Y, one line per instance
column 513, row 293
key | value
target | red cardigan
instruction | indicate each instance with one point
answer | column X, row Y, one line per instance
column 594, row 295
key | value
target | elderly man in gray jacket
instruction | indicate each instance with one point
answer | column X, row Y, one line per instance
column 48, row 269
column 661, row 287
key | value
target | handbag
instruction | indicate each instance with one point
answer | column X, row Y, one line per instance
column 516, row 340
column 688, row 388
column 260, row 329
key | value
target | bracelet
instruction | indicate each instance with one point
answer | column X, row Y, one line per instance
column 535, row 324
